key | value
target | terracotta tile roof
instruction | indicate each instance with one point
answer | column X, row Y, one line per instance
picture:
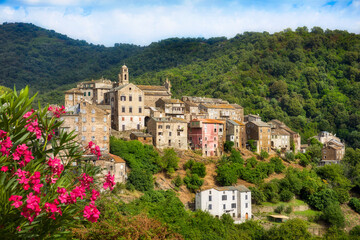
column 74, row 90
column 238, row 122
column 152, row 88
column 117, row 159
column 228, row 106
column 208, row 121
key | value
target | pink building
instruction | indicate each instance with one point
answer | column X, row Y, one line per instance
column 207, row 135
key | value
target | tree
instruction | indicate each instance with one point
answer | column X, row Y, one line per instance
column 278, row 89
column 235, row 157
column 141, row 179
column 264, row 154
column 170, row 160
column 226, row 174
column 333, row 215
column 228, row 145
column 193, row 182
column 294, row 229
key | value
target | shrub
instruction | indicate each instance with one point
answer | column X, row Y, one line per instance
column 170, row 160
column 41, row 193
column 141, row 179
column 235, row 157
column 290, row 156
column 251, row 162
column 226, row 174
column 286, row 195
column 193, row 182
column 257, row 196
column 355, row 232
column 177, row 181
column 278, row 165
column 264, row 154
column 228, row 145
column 252, row 145
column 280, row 208
column 333, row 215
column 291, row 230
column 323, row 198
column 354, row 203
column 289, row 210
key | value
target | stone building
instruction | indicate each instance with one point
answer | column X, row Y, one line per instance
column 260, row 132
column 205, row 100
column 153, row 93
column 295, row 137
column 222, row 111
column 252, row 118
column 232, row 200
column 145, row 138
column 127, row 107
column 171, row 107
column 73, row 97
column 325, row 137
column 94, row 90
column 235, row 132
column 168, row 132
column 89, row 122
column 280, row 139
column 207, row 135
column 333, row 151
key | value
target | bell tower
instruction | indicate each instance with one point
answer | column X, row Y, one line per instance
column 124, row 75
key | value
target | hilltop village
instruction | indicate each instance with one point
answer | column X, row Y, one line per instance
column 148, row 114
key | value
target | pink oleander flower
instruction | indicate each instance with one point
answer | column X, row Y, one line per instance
column 16, row 198
column 109, row 181
column 64, row 197
column 18, row 228
column 85, row 181
column 94, row 149
column 21, row 173
column 5, row 146
column 78, row 192
column 91, row 213
column 33, row 125
column 22, row 153
column 2, row 133
column 53, row 208
column 4, row 168
column 94, row 195
column 56, row 167
column 31, row 208
column 57, row 111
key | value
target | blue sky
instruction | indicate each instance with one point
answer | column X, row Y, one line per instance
column 144, row 21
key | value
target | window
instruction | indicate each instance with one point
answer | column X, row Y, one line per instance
column 160, row 126
column 105, row 129
column 178, row 133
column 224, row 197
column 246, row 197
column 169, row 142
column 140, row 109
column 123, row 109
column 89, row 93
column 214, row 145
column 93, row 111
column 224, row 206
column 76, row 128
column 83, row 138
column 210, row 198
column 209, row 192
column 93, row 129
column 220, row 129
column 131, row 119
column 76, row 119
column 130, row 98
column 233, row 197
column 233, row 205
column 160, row 133
column 123, row 119
column 205, row 145
column 140, row 98
column 130, row 109
column 93, row 119
column 105, row 138
column 84, row 119
column 123, row 98
column 70, row 97
column 246, row 205
column 169, row 134
column 105, row 120
column 85, row 94
column 92, row 138
column 167, row 126
column 84, row 128
column 210, row 206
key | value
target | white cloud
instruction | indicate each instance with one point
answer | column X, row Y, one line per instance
column 143, row 25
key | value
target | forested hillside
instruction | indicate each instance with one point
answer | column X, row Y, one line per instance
column 310, row 79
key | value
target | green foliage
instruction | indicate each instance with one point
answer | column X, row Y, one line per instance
column 286, row 195
column 198, row 168
column 257, row 196
column 177, row 181
column 288, row 209
column 141, row 179
column 278, row 165
column 193, row 182
column 280, row 208
column 333, row 215
column 294, row 229
column 251, row 162
column 264, row 154
column 319, row 200
column 226, row 174
column 355, row 232
column 253, row 228
column 354, row 203
column 290, row 156
column 235, row 157
column 351, row 163
column 136, row 154
column 228, row 145
column 252, row 145
column 169, row 161
column 335, row 233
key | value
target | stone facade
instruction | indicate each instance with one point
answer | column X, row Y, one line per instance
column 171, row 107
column 154, row 93
column 168, row 132
column 222, row 111
column 142, row 137
column 261, row 133
column 235, row 132
column 295, row 137
column 90, row 123
column 208, row 136
column 280, row 139
column 73, row 97
column 325, row 137
column 252, row 118
column 127, row 107
column 235, row 201
column 333, row 151
column 94, row 90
